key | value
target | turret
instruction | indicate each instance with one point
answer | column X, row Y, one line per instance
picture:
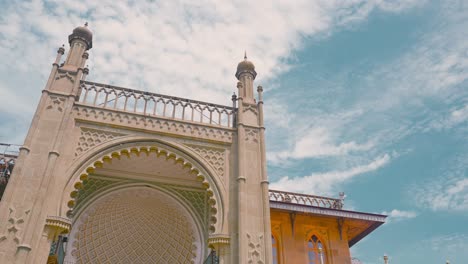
column 246, row 75
column 80, row 41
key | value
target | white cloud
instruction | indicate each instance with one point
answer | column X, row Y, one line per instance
column 459, row 115
column 450, row 243
column 451, row 195
column 182, row 48
column 449, row 192
column 397, row 215
column 323, row 183
column 317, row 142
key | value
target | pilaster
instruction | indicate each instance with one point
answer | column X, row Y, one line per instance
column 31, row 193
column 254, row 234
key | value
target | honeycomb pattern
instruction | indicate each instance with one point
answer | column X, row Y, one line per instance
column 90, row 138
column 136, row 226
column 197, row 199
column 214, row 156
column 91, row 186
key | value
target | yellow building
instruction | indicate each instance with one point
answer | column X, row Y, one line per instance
column 113, row 175
column 313, row 229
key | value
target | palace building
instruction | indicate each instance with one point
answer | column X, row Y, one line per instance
column 113, row 175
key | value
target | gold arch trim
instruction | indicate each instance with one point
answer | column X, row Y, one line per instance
column 146, row 150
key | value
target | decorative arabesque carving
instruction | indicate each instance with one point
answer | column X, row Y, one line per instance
column 251, row 135
column 67, row 75
column 255, row 249
column 13, row 225
column 91, row 137
column 56, row 103
column 251, row 108
column 214, row 156
column 139, row 121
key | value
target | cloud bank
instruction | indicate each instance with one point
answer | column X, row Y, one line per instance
column 323, row 183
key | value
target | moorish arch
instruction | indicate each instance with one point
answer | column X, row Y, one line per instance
column 158, row 165
column 190, row 171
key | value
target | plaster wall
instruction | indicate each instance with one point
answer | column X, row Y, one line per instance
column 293, row 237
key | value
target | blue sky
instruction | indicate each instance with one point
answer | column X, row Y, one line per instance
column 366, row 97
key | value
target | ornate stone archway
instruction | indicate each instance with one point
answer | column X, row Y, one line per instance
column 136, row 224
column 149, row 162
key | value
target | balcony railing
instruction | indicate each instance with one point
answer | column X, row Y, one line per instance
column 304, row 199
column 153, row 104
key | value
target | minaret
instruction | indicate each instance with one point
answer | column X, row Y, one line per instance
column 80, row 41
column 385, row 258
column 29, row 202
column 246, row 75
column 253, row 209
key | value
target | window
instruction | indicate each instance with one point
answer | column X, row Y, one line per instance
column 315, row 251
column 275, row 250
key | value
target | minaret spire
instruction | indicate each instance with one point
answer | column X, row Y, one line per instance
column 80, row 41
column 246, row 75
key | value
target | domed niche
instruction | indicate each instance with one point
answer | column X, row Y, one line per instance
column 151, row 167
column 136, row 225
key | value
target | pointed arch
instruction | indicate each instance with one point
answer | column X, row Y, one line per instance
column 316, row 251
column 276, row 249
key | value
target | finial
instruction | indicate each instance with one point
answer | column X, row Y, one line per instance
column 86, row 24
column 234, row 99
column 342, row 195
column 245, row 55
column 61, row 50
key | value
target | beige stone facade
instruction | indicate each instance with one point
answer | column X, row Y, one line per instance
column 136, row 177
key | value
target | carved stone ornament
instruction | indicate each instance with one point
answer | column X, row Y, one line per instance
column 60, row 224
column 137, row 121
column 251, row 135
column 14, row 225
column 255, row 249
column 214, row 156
column 251, row 108
column 218, row 240
column 56, row 103
column 65, row 75
column 92, row 137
